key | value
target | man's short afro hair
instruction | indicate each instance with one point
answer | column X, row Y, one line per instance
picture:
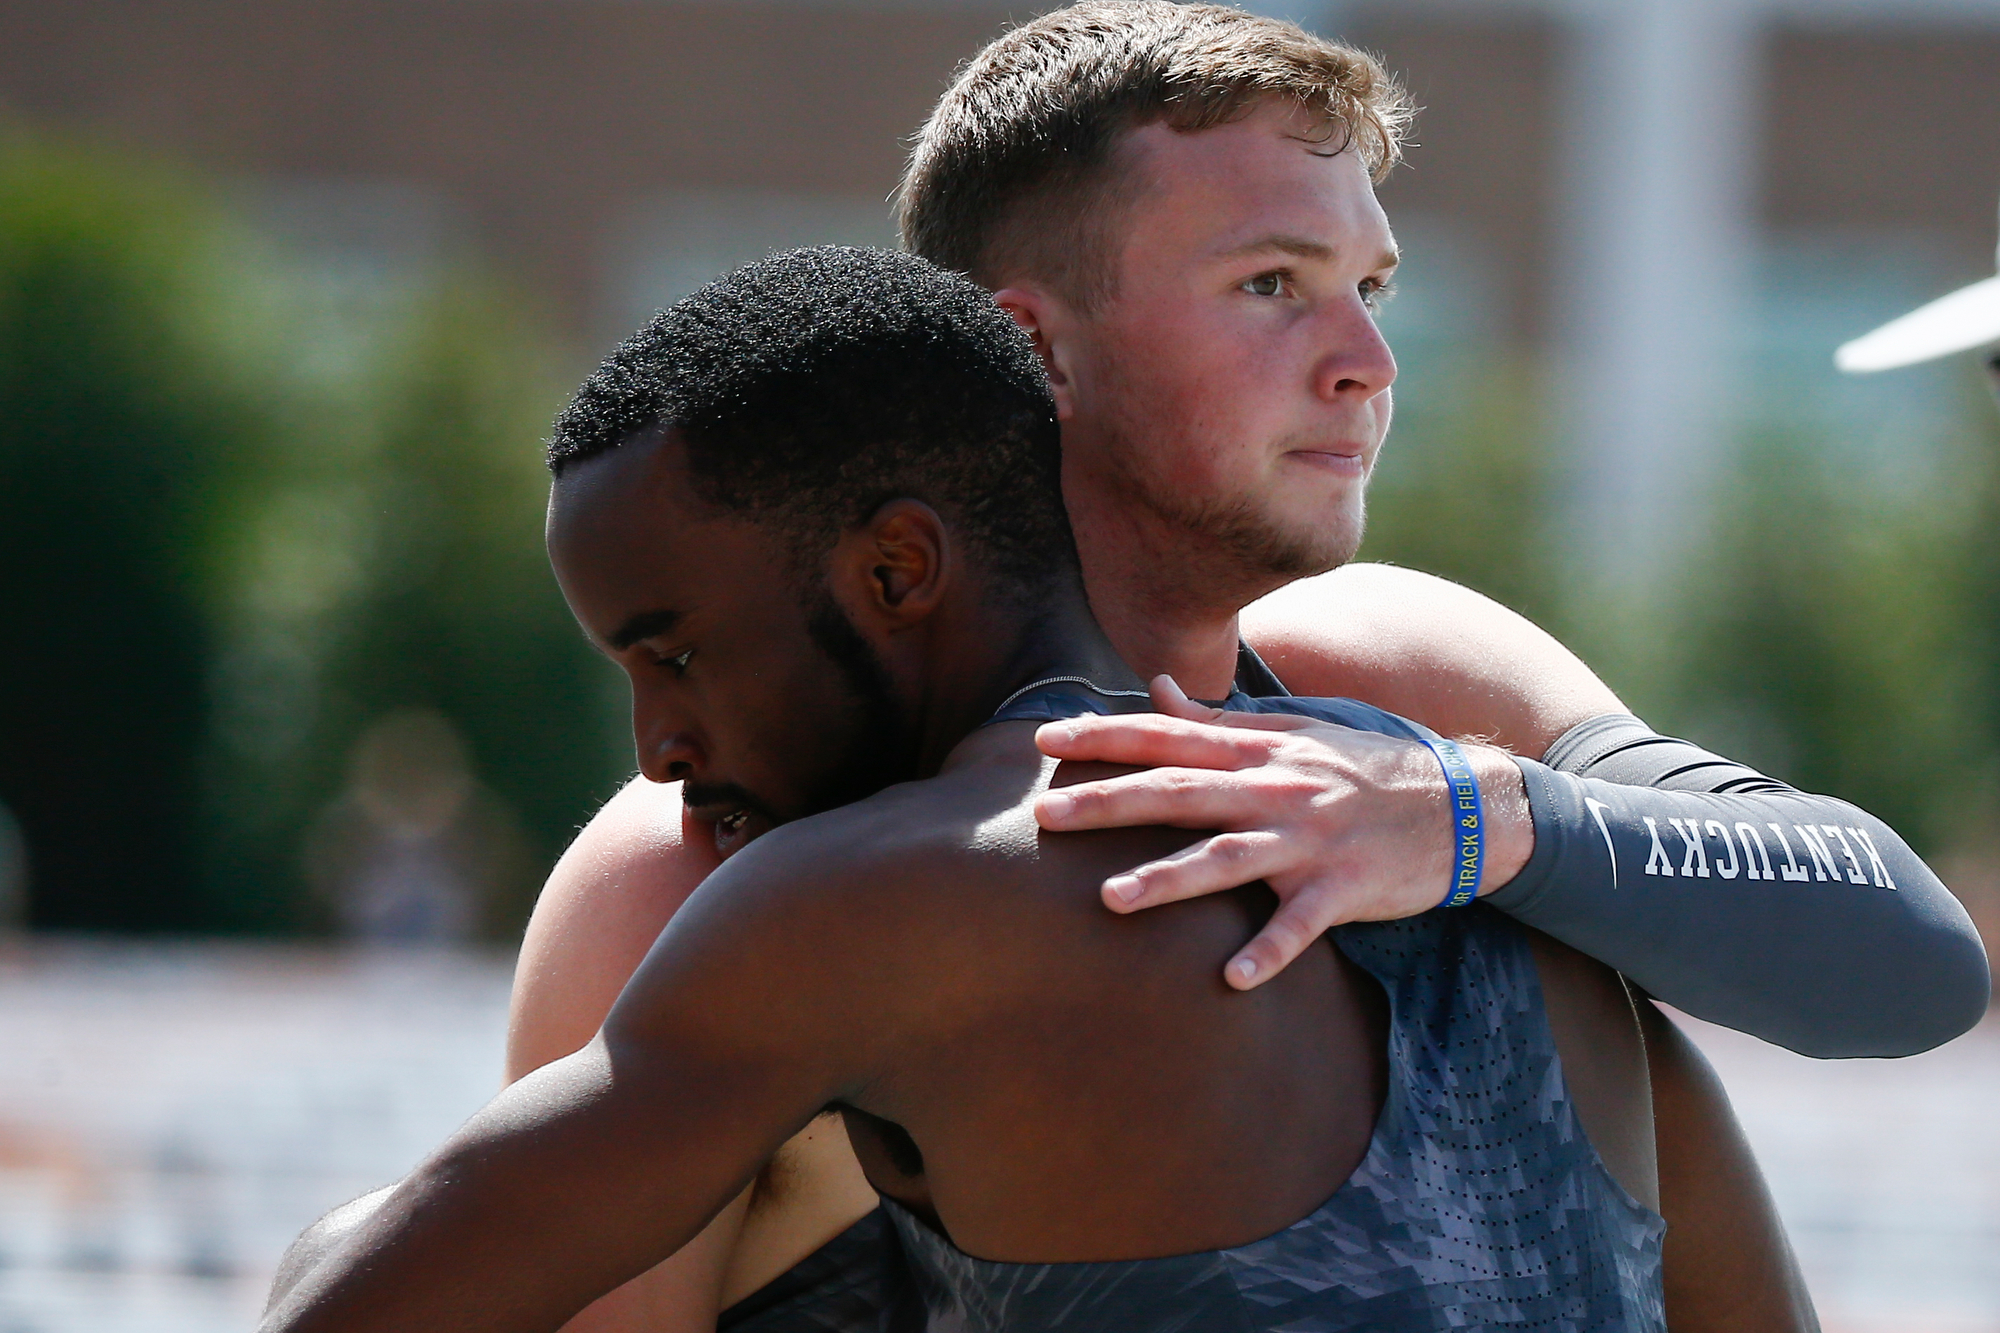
column 814, row 386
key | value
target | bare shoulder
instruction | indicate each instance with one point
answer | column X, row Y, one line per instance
column 608, row 898
column 1429, row 649
column 860, row 866
column 821, row 948
column 620, row 884
column 886, row 906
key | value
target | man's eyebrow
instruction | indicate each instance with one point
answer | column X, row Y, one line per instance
column 642, row 626
column 1302, row 248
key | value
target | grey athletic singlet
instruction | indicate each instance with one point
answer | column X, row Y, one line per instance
column 1480, row 1204
column 855, row 1283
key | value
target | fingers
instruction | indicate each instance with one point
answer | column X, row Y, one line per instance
column 1223, row 862
column 1175, row 797
column 1209, row 866
column 1290, row 931
column 1170, row 699
column 1152, row 739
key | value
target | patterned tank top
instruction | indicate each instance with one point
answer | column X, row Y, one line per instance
column 855, row 1283
column 1479, row 1205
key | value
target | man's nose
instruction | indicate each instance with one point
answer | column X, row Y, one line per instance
column 668, row 751
column 1355, row 363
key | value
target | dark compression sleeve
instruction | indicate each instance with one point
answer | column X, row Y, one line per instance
column 1796, row 918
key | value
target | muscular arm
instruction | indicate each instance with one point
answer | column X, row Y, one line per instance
column 608, row 899
column 1467, row 666
column 585, row 1172
column 1808, row 959
column 1429, row 650
column 610, row 896
column 1798, row 918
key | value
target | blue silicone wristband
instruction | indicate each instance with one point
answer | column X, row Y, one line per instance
column 1468, row 824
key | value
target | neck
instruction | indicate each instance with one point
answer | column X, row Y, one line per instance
column 975, row 663
column 1166, row 600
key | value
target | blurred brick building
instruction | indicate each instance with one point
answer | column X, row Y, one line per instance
column 553, row 132
column 1614, row 176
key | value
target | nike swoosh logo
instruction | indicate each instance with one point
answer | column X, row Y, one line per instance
column 1597, row 809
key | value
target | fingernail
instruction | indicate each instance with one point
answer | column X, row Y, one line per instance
column 1244, row 969
column 1124, row 887
column 1057, row 804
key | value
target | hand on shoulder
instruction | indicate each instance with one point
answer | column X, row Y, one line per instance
column 1342, row 825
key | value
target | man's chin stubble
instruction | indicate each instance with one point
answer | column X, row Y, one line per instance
column 1233, row 540
column 1245, row 545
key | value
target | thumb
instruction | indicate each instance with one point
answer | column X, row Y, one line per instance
column 1170, row 699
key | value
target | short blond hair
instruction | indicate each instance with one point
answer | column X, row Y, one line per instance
column 1005, row 175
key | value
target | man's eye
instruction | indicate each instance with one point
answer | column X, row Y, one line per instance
column 1375, row 292
column 1275, row 283
column 678, row 663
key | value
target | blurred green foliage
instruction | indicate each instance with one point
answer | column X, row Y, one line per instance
column 1841, row 635
column 120, row 433
column 250, row 505
column 1834, row 630
column 1464, row 488
column 246, row 507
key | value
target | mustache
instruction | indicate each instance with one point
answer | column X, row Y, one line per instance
column 695, row 795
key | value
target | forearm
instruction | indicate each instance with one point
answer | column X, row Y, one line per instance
column 683, row 1294
column 566, row 1185
column 1729, row 1267
column 608, row 899
column 321, row 1239
column 1794, row 917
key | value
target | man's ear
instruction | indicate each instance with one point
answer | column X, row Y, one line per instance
column 1048, row 321
column 893, row 569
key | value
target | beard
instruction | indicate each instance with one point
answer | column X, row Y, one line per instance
column 1232, row 538
column 879, row 748
column 1236, row 533
column 1240, row 531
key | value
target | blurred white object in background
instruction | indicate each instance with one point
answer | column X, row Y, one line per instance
column 1956, row 322
column 1655, row 241
column 172, row 1115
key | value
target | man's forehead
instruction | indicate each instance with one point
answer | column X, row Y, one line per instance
column 639, row 483
column 1264, row 177
column 628, row 504
column 633, row 547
